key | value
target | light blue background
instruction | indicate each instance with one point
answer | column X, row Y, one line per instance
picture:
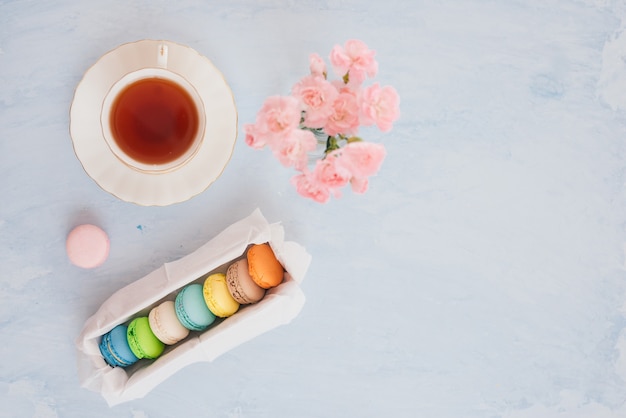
column 481, row 276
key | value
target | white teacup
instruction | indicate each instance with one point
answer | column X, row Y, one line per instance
column 151, row 124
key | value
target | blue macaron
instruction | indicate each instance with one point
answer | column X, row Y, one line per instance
column 115, row 349
column 191, row 309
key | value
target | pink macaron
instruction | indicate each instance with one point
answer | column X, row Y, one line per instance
column 87, row 246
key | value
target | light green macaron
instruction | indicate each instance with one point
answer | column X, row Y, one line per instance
column 142, row 341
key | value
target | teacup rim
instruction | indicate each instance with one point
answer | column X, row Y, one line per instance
column 138, row 165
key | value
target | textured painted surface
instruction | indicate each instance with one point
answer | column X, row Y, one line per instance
column 481, row 276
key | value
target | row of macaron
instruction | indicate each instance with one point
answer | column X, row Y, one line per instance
column 195, row 308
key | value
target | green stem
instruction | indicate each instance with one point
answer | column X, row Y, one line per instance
column 331, row 144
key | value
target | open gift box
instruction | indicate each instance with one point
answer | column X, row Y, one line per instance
column 279, row 306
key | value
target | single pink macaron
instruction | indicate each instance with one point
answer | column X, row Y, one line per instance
column 87, row 246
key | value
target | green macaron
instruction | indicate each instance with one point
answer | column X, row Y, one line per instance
column 142, row 341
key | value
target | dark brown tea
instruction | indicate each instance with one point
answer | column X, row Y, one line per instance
column 154, row 121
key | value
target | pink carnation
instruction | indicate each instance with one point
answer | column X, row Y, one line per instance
column 359, row 185
column 331, row 173
column 356, row 59
column 380, row 106
column 345, row 116
column 317, row 65
column 254, row 138
column 278, row 117
column 363, row 159
column 318, row 96
column 292, row 150
column 308, row 185
column 336, row 109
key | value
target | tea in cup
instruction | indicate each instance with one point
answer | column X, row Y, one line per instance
column 153, row 119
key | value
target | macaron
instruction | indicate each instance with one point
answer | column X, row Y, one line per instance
column 191, row 310
column 165, row 325
column 240, row 285
column 217, row 297
column 87, row 246
column 141, row 339
column 115, row 349
column 264, row 267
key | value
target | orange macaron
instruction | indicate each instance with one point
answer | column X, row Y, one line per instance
column 264, row 267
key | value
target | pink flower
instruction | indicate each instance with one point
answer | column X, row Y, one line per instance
column 308, row 186
column 317, row 65
column 289, row 125
column 356, row 59
column 362, row 159
column 331, row 173
column 292, row 149
column 253, row 138
column 278, row 117
column 318, row 96
column 359, row 185
column 345, row 116
column 380, row 106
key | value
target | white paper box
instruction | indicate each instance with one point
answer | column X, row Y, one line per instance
column 279, row 306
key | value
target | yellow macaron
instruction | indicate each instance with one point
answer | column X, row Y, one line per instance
column 218, row 297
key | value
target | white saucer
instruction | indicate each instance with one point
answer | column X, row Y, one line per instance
column 132, row 185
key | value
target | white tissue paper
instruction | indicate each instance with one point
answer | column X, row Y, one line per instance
column 279, row 306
